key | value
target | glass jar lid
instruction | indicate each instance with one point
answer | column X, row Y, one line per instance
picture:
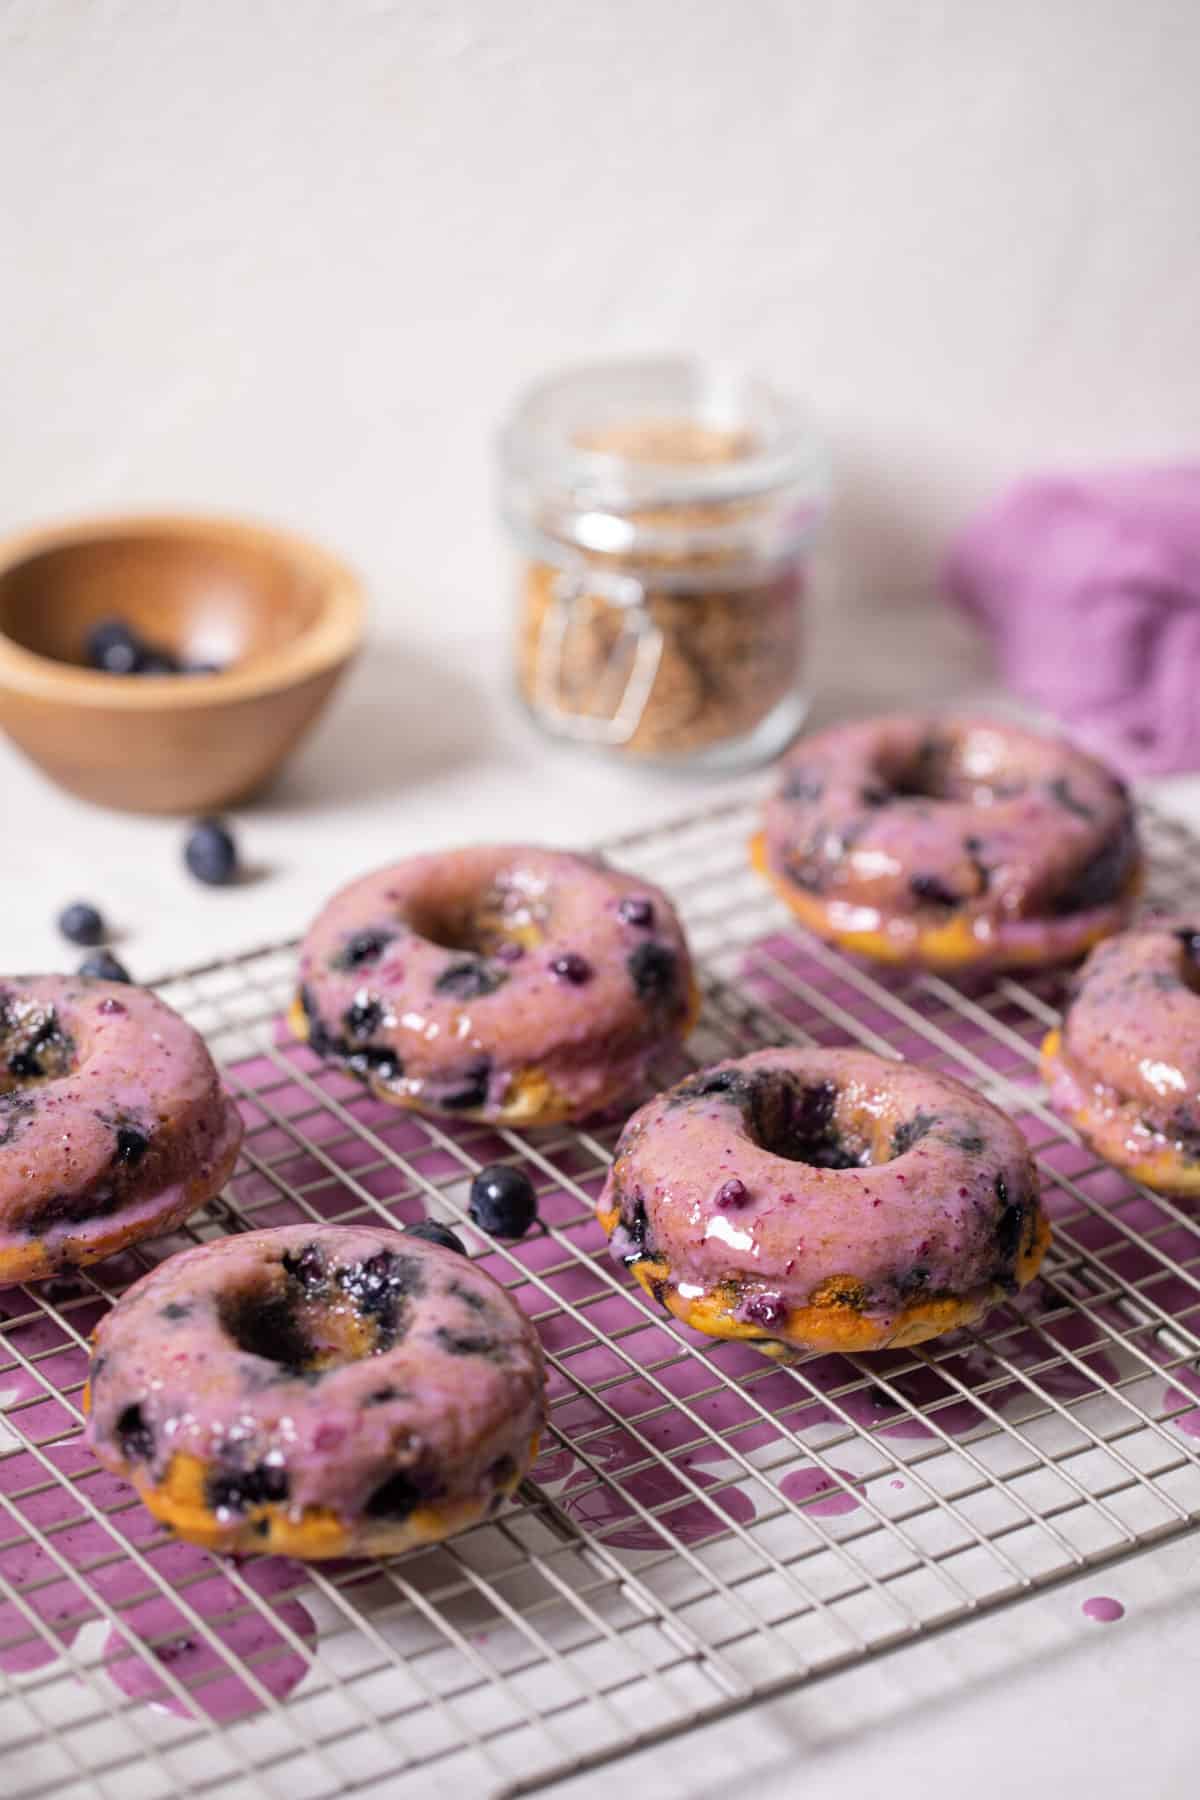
column 660, row 460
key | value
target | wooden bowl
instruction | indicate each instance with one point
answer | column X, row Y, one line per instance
column 282, row 617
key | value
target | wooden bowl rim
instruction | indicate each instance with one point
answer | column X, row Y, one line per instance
column 330, row 640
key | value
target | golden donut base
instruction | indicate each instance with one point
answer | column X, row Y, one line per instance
column 830, row 1321
column 37, row 1260
column 311, row 1534
column 945, row 949
column 1165, row 1171
column 532, row 1098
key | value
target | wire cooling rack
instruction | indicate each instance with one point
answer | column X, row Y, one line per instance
column 704, row 1527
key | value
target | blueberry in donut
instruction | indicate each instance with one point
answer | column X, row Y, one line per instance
column 824, row 1200
column 113, row 1123
column 509, row 984
column 318, row 1391
column 951, row 843
column 1124, row 1067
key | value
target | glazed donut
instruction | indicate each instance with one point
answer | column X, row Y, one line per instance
column 824, row 1200
column 513, row 985
column 951, row 843
column 113, row 1123
column 1125, row 1067
column 318, row 1391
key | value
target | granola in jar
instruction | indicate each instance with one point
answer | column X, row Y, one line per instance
column 663, row 514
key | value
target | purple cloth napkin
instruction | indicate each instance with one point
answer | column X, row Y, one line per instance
column 1089, row 588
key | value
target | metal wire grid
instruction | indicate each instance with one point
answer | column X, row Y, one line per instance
column 704, row 1528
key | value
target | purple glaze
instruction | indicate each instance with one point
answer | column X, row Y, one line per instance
column 899, row 824
column 803, row 1486
column 940, row 1196
column 1184, row 1380
column 457, row 1029
column 244, row 1632
column 63, row 1600
column 114, row 1127
column 606, row 1507
column 449, row 1396
column 1128, row 1064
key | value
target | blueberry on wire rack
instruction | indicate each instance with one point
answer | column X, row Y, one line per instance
column 503, row 1201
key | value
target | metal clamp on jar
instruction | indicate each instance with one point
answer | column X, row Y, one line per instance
column 663, row 512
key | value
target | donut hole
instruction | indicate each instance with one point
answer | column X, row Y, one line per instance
column 268, row 1326
column 476, row 934
column 511, row 911
column 801, row 1124
column 960, row 768
column 34, row 1045
column 450, row 927
column 825, row 1127
column 301, row 1337
column 926, row 776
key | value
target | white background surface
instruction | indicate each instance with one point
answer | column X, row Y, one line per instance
column 293, row 259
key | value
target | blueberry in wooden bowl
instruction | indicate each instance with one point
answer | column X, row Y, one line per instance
column 169, row 664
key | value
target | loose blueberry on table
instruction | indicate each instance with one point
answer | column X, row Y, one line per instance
column 503, row 1201
column 81, row 923
column 104, row 967
column 211, row 854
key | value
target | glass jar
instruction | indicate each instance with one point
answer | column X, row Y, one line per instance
column 663, row 511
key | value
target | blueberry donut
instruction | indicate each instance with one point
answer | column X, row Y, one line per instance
column 824, row 1200
column 1125, row 1066
column 949, row 843
column 113, row 1123
column 513, row 985
column 328, row 1391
